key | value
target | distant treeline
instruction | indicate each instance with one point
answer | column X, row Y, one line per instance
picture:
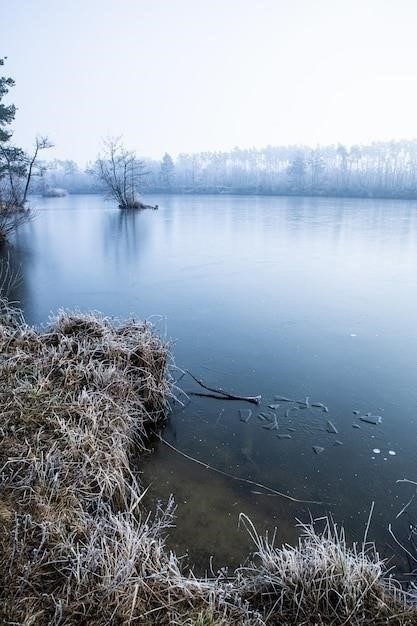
column 382, row 169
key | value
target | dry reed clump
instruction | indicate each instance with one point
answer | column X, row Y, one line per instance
column 322, row 581
column 78, row 399
column 76, row 546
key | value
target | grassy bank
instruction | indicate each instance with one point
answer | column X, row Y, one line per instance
column 79, row 399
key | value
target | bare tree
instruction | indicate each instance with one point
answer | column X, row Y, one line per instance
column 19, row 168
column 12, row 169
column 122, row 174
column 11, row 215
column 41, row 143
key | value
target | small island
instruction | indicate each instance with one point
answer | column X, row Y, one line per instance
column 121, row 173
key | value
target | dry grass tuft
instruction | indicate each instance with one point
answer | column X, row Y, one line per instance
column 322, row 581
column 78, row 400
column 76, row 547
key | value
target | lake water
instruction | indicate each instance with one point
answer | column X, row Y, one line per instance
column 261, row 295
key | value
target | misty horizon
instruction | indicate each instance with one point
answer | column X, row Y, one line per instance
column 382, row 169
column 252, row 148
column 184, row 77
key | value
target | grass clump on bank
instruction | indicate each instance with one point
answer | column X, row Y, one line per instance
column 76, row 546
column 322, row 581
column 78, row 399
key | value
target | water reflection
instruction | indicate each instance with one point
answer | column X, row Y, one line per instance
column 292, row 296
column 125, row 234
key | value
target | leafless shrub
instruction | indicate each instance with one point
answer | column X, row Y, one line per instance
column 12, row 215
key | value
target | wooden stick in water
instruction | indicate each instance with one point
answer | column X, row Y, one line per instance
column 223, row 395
column 242, row 480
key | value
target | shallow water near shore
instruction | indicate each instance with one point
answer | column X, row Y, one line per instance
column 295, row 297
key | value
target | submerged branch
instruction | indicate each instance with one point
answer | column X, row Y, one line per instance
column 222, row 395
column 213, row 395
column 238, row 478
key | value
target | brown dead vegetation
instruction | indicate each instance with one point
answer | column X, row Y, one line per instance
column 79, row 399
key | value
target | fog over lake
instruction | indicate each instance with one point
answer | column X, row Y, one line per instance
column 295, row 297
column 208, row 296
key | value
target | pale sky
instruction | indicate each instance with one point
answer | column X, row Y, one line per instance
column 193, row 75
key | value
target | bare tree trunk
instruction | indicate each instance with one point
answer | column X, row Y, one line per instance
column 29, row 174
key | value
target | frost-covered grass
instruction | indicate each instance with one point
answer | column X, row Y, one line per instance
column 77, row 547
column 322, row 580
